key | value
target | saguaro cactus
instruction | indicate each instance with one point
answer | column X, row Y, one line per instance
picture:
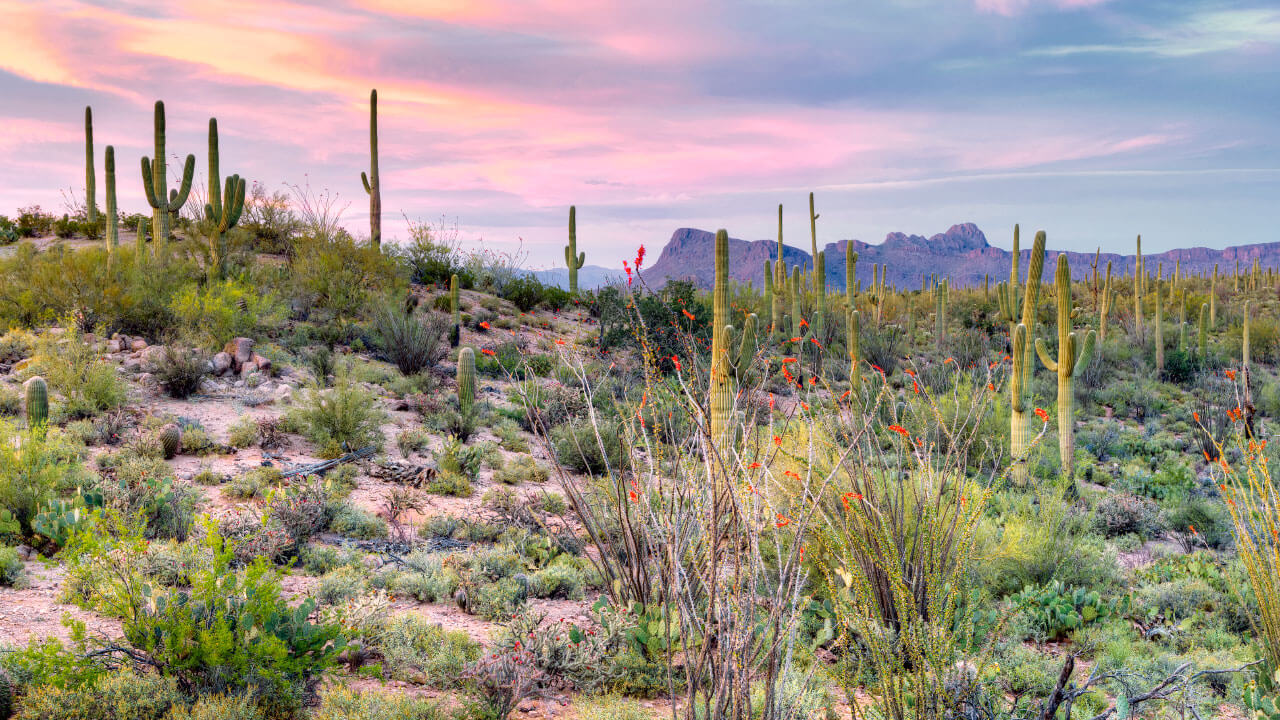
column 850, row 273
column 940, row 314
column 455, row 334
column 797, row 319
column 466, row 380
column 90, row 177
column 1204, row 332
column 1031, row 300
column 1244, row 342
column 1182, row 323
column 1159, row 327
column 1138, row 279
column 224, row 206
column 372, row 181
column 1104, row 307
column 725, row 365
column 36, row 402
column 1213, row 299
column 1074, row 354
column 1018, row 405
column 155, row 182
column 574, row 259
column 112, row 235
column 1007, row 293
column 853, row 328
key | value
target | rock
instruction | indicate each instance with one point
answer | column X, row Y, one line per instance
column 114, row 345
column 138, row 344
column 25, row 552
column 263, row 363
column 241, row 350
column 146, row 378
column 284, row 394
column 131, row 365
column 221, row 363
column 152, row 358
column 247, row 369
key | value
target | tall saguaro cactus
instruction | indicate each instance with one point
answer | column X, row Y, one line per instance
column 372, row 181
column 112, row 236
column 1104, row 304
column 1137, row 294
column 1021, row 346
column 781, row 293
column 224, row 206
column 1203, row 338
column 1074, row 354
column 455, row 313
column 853, row 328
column 155, row 182
column 940, row 314
column 90, row 177
column 850, row 273
column 724, row 365
column 574, row 259
column 1159, row 327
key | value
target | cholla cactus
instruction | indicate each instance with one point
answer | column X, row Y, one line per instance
column 574, row 259
column 1074, row 354
column 372, row 181
column 155, row 182
column 466, row 380
column 36, row 402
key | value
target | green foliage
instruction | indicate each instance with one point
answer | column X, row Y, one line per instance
column 215, row 313
column 521, row 470
column 527, row 293
column 243, row 432
column 88, row 384
column 667, row 328
column 218, row 707
column 122, row 694
column 345, row 416
column 12, row 572
column 413, row 342
column 342, row 703
column 358, row 523
column 339, row 279
column 413, row 647
column 34, row 469
column 578, row 447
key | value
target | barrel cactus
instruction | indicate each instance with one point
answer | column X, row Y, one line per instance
column 170, row 441
column 37, row 402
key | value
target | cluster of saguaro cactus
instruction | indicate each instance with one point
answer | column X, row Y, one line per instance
column 36, row 402
column 455, row 333
column 90, row 177
column 1074, row 353
column 224, row 206
column 726, row 365
column 1023, row 362
column 574, row 259
column 372, row 181
column 155, row 182
column 466, row 380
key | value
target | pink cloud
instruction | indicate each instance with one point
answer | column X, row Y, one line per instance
column 1010, row 8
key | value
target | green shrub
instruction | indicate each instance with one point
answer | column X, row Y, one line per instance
column 581, row 449
column 522, row 469
column 145, row 488
column 453, row 484
column 88, row 384
column 34, row 469
column 345, row 416
column 320, row 559
column 559, row 581
column 338, row 278
column 219, row 707
column 412, row 342
column 243, row 432
column 340, row 585
column 341, row 703
column 216, row 313
column 412, row 646
column 1120, row 514
column 181, row 370
column 1056, row 610
column 12, row 571
column 358, row 523
column 122, row 694
column 610, row 707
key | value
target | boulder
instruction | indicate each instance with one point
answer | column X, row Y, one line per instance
column 221, row 363
column 152, row 358
column 263, row 363
column 241, row 350
column 137, row 344
column 247, row 369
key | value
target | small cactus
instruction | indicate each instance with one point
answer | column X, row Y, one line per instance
column 466, row 380
column 37, row 402
column 171, row 441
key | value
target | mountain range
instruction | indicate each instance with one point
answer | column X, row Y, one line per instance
column 961, row 254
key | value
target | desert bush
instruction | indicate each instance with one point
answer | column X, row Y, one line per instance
column 411, row 645
column 583, row 448
column 218, row 707
column 122, row 694
column 344, row 417
column 145, row 488
column 1200, row 522
column 341, row 703
column 243, row 432
column 1121, row 514
column 88, row 384
column 340, row 585
column 358, row 523
column 520, row 470
column 34, row 469
column 270, row 220
column 413, row 342
column 338, row 278
column 12, row 572
column 181, row 370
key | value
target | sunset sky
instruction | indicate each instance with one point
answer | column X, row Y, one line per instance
column 1093, row 120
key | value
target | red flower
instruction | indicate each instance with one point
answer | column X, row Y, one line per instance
column 777, row 441
column 1231, row 374
column 991, row 387
column 783, row 520
column 675, row 361
column 1044, row 416
column 484, row 325
column 899, row 429
column 753, row 466
column 688, row 314
column 487, row 351
column 804, row 323
column 789, row 360
column 1196, row 415
column 639, row 257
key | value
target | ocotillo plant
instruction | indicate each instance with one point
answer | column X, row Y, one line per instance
column 940, row 315
column 224, row 206
column 155, row 182
column 372, row 181
column 90, row 177
column 572, row 258
column 466, row 380
column 850, row 273
column 853, row 328
column 455, row 334
column 36, row 402
column 112, row 236
column 1203, row 338
column 1074, row 354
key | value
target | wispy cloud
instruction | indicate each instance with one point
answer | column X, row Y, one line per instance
column 1200, row 33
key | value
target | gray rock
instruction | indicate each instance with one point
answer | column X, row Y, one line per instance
column 221, row 363
column 241, row 350
column 138, row 344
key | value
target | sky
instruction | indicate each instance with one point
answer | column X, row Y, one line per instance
column 1094, row 120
